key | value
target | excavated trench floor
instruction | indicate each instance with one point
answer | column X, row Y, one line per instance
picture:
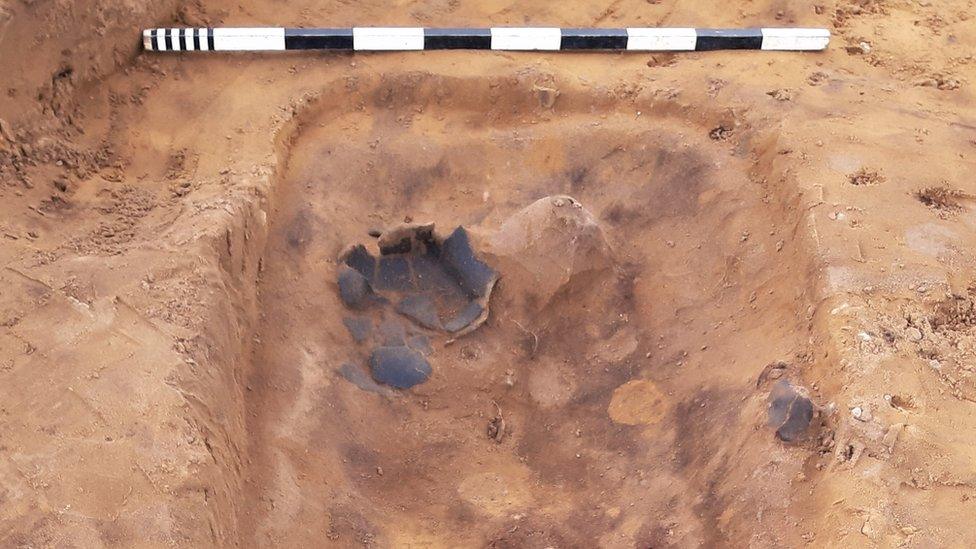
column 609, row 399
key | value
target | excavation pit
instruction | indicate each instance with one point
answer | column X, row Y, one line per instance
column 645, row 280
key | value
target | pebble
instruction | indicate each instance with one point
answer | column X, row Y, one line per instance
column 509, row 379
column 914, row 334
column 870, row 531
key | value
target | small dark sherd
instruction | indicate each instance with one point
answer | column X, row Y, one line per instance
column 420, row 343
column 359, row 258
column 394, row 274
column 420, row 308
column 359, row 327
column 473, row 275
column 780, row 399
column 433, row 278
column 355, row 375
column 464, row 318
column 391, row 333
column 399, row 367
column 798, row 420
column 353, row 288
column 789, row 411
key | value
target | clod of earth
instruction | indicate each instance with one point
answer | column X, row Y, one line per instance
column 545, row 250
column 790, row 412
column 720, row 133
column 772, row 371
column 864, row 176
column 496, row 428
column 943, row 199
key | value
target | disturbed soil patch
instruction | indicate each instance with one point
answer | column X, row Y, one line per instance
column 865, row 177
column 943, row 199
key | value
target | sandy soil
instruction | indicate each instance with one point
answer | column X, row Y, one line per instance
column 172, row 340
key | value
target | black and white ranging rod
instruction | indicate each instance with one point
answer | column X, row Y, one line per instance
column 494, row 38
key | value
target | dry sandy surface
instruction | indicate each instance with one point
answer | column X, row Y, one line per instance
column 172, row 340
